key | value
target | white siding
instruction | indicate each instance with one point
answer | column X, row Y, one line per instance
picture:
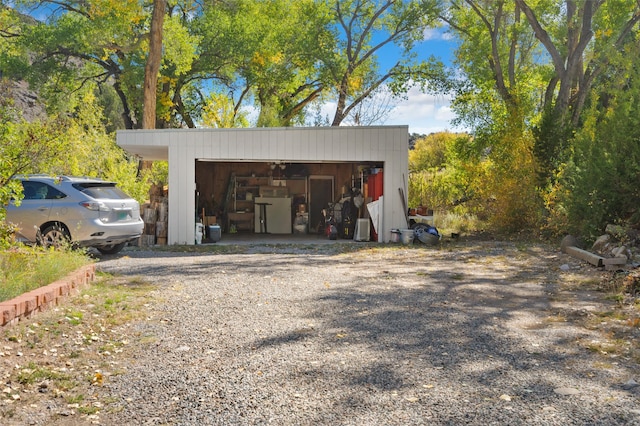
column 182, row 147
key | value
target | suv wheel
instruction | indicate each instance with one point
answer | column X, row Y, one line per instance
column 112, row 249
column 56, row 236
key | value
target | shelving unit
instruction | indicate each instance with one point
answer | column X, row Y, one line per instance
column 245, row 191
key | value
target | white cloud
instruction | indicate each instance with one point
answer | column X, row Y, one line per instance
column 445, row 113
column 423, row 113
column 441, row 33
column 431, row 34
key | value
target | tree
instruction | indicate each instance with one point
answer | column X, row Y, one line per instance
column 496, row 56
column 102, row 42
column 598, row 185
column 365, row 28
column 281, row 55
column 440, row 178
column 528, row 69
column 268, row 52
column 220, row 112
column 588, row 38
column 24, row 147
column 589, row 35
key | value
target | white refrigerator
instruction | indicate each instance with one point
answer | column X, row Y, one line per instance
column 278, row 212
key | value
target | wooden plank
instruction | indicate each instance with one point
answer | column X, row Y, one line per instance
column 615, row 261
column 594, row 259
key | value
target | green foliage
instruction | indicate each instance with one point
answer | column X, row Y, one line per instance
column 544, row 126
column 600, row 185
column 430, row 151
column 25, row 269
column 440, row 177
column 25, row 148
column 553, row 139
column 522, row 93
column 273, row 52
column 62, row 144
column 456, row 174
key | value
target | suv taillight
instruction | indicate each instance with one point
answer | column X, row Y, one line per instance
column 95, row 206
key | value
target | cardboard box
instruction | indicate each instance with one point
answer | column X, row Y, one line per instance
column 210, row 220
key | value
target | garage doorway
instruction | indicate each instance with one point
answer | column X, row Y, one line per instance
column 320, row 195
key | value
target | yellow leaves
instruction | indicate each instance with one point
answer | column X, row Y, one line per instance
column 164, row 105
column 277, row 58
column 602, row 33
column 97, row 379
column 263, row 59
column 219, row 112
column 106, row 53
column 126, row 10
column 355, row 84
column 163, row 79
column 165, row 100
column 258, row 59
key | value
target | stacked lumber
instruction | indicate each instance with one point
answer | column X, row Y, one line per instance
column 155, row 215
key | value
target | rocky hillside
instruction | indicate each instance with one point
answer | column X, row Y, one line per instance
column 16, row 94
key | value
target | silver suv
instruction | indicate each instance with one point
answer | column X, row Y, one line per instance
column 88, row 212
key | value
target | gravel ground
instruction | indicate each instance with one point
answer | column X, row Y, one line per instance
column 471, row 334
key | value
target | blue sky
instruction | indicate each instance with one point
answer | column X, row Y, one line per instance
column 425, row 113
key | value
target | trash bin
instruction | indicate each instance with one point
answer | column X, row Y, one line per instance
column 406, row 236
column 215, row 233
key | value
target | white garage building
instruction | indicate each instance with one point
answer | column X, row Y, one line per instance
column 214, row 171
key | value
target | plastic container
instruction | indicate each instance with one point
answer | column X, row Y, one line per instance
column 429, row 239
column 215, row 234
column 426, row 234
column 395, row 236
column 199, row 232
column 406, row 236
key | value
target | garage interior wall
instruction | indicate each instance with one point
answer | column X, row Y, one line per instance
column 387, row 145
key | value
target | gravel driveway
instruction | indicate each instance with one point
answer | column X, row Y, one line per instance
column 468, row 334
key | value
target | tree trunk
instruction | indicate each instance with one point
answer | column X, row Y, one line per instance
column 153, row 65
column 151, row 70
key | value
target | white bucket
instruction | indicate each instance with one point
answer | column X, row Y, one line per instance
column 406, row 236
column 199, row 232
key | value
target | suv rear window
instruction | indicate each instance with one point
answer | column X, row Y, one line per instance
column 101, row 191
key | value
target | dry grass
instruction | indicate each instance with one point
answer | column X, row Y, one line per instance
column 57, row 358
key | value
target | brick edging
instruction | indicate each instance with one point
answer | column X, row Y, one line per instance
column 43, row 298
